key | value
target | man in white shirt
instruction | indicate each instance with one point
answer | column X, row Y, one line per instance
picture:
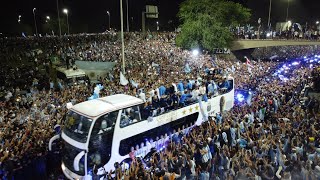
column 142, row 96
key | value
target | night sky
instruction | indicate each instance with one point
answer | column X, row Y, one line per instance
column 92, row 14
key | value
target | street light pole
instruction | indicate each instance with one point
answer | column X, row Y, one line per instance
column 48, row 21
column 122, row 38
column 58, row 17
column 68, row 24
column 127, row 15
column 270, row 6
column 66, row 12
column 109, row 19
column 35, row 22
column 143, row 22
column 288, row 11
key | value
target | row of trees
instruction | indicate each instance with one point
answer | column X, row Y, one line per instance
column 206, row 24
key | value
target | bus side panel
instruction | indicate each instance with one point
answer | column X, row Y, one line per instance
column 143, row 131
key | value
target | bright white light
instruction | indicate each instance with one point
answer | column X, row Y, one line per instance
column 268, row 34
column 240, row 97
column 250, row 92
column 48, row 17
column 305, row 57
column 295, row 63
column 63, row 167
column 317, row 22
column 65, row 11
column 195, row 52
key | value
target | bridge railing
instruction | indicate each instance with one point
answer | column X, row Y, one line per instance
column 265, row 35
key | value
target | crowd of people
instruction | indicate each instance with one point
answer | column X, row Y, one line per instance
column 285, row 52
column 273, row 137
column 282, row 31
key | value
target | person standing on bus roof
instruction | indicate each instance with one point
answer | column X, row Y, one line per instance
column 180, row 87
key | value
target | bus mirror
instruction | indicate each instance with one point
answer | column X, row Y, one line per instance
column 76, row 161
column 53, row 139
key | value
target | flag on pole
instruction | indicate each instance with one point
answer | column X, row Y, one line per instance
column 134, row 84
column 123, row 80
column 248, row 62
column 187, row 68
column 96, row 92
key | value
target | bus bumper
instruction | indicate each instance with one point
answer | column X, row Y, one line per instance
column 69, row 174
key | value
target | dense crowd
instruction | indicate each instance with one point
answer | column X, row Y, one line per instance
column 275, row 136
column 285, row 52
column 283, row 31
column 272, row 138
column 31, row 107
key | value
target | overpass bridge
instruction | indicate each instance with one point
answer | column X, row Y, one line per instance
column 256, row 43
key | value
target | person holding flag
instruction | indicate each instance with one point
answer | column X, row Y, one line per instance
column 248, row 62
column 249, row 65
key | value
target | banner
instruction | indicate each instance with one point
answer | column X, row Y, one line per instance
column 222, row 51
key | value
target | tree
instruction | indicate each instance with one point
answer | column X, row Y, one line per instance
column 206, row 23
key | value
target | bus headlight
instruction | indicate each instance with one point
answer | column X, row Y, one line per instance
column 63, row 167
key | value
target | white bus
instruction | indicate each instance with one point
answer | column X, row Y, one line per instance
column 103, row 131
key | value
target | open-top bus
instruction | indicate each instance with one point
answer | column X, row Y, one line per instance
column 103, row 131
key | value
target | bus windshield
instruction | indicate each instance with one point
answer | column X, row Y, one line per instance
column 77, row 126
column 69, row 154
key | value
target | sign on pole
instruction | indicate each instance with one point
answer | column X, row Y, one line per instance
column 152, row 11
